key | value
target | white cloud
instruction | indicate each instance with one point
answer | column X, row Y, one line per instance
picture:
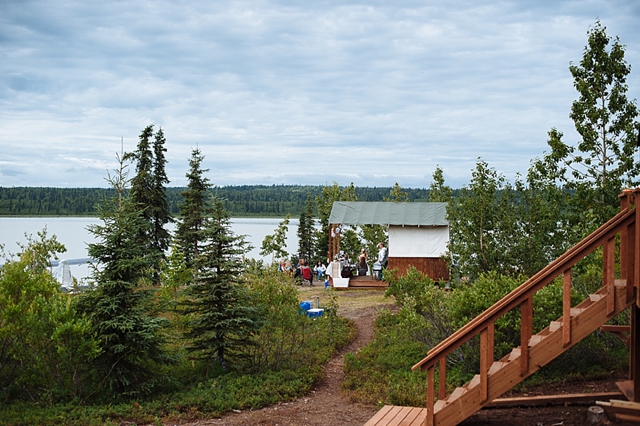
column 285, row 92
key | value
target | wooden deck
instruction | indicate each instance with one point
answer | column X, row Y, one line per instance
column 366, row 282
column 392, row 415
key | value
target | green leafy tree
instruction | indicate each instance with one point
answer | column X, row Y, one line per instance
column 542, row 230
column 482, row 223
column 601, row 164
column 130, row 340
column 306, row 231
column 324, row 204
column 275, row 244
column 369, row 235
column 194, row 210
column 221, row 319
column 45, row 345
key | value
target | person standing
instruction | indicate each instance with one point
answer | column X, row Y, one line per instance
column 383, row 258
column 362, row 263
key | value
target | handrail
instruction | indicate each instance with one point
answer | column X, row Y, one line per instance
column 526, row 290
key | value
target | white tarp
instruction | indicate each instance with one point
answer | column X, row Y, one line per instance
column 385, row 213
column 63, row 274
column 413, row 241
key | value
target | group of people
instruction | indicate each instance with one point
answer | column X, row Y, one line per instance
column 340, row 266
column 303, row 270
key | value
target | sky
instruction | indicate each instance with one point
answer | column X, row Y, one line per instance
column 293, row 92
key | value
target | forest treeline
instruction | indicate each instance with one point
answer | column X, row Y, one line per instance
column 240, row 201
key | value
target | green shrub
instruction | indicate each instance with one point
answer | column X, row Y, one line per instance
column 380, row 372
column 46, row 345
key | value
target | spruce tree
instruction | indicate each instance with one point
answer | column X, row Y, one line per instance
column 161, row 214
column 148, row 192
column 222, row 319
column 194, row 209
column 131, row 341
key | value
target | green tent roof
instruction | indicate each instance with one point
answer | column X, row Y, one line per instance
column 384, row 213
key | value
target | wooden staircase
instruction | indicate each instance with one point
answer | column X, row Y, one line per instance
column 498, row 376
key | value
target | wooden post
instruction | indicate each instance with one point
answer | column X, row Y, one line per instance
column 442, row 384
column 566, row 308
column 430, row 395
column 608, row 273
column 634, row 352
column 526, row 327
column 636, row 246
column 486, row 359
column 627, row 245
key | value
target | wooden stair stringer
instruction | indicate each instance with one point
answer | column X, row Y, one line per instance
column 589, row 316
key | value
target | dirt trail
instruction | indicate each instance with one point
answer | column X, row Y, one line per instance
column 326, row 404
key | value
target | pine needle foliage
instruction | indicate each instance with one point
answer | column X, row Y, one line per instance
column 221, row 318
column 194, row 209
column 130, row 339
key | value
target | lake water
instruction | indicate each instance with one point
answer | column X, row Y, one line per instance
column 73, row 233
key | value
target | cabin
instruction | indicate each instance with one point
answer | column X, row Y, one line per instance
column 418, row 232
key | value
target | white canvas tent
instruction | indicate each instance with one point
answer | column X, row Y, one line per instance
column 418, row 232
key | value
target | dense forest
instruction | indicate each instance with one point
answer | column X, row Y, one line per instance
column 245, row 200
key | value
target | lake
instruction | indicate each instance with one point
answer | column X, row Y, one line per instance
column 73, row 233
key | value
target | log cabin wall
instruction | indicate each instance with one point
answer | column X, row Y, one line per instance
column 433, row 267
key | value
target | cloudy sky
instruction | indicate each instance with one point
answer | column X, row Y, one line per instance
column 293, row 92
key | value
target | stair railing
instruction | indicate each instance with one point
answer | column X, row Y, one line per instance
column 622, row 224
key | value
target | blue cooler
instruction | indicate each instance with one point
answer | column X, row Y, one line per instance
column 314, row 313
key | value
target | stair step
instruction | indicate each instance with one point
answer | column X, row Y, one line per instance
column 555, row 326
column 535, row 339
column 439, row 404
column 595, row 297
column 620, row 283
column 497, row 365
column 457, row 393
column 474, row 382
column 576, row 311
column 515, row 354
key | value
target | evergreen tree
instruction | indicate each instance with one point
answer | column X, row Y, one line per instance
column 222, row 319
column 130, row 340
column 194, row 209
column 306, row 231
column 142, row 183
column 438, row 190
column 397, row 195
column 161, row 214
column 148, row 193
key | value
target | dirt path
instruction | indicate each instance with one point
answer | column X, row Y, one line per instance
column 325, row 405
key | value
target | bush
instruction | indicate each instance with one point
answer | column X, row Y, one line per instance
column 46, row 345
column 288, row 339
column 380, row 372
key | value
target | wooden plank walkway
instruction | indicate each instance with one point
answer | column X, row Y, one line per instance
column 366, row 282
column 393, row 415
